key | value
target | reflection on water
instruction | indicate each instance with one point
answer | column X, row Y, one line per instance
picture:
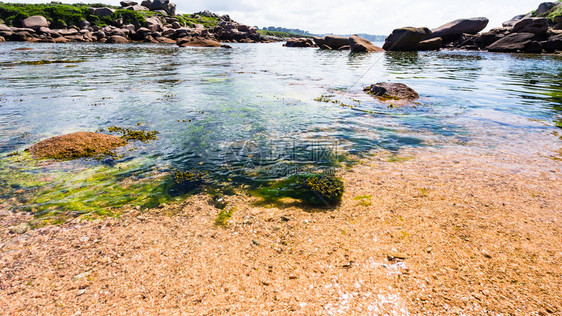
column 248, row 115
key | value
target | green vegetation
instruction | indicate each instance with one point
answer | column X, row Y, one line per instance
column 64, row 15
column 223, row 217
column 282, row 30
column 324, row 190
column 556, row 12
column 364, row 200
column 53, row 195
column 190, row 21
column 280, row 34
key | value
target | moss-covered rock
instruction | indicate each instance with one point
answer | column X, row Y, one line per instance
column 323, row 190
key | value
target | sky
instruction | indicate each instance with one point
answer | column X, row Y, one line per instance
column 350, row 16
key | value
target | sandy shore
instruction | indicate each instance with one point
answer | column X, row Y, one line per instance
column 429, row 231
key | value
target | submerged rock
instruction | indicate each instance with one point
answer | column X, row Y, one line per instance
column 394, row 91
column 20, row 229
column 320, row 190
column 76, row 145
column 361, row 45
column 406, row 39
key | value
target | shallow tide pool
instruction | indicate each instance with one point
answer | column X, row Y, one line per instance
column 246, row 116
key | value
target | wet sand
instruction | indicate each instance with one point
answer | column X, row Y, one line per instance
column 423, row 231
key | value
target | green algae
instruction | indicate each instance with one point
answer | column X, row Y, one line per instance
column 223, row 217
column 320, row 190
column 68, row 189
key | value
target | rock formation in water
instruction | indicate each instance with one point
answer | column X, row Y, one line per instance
column 353, row 43
column 537, row 32
column 392, row 91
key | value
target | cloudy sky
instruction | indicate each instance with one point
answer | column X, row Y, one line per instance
column 351, row 16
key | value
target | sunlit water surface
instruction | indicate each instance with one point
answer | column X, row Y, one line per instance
column 248, row 115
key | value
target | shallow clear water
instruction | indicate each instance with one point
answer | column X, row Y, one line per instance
column 250, row 114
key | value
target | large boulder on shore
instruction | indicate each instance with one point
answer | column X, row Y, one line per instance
column 514, row 42
column 406, row 39
column 102, row 11
column 128, row 3
column 361, row 45
column 452, row 30
column 553, row 44
column 531, row 25
column 299, row 42
column 76, row 145
column 35, row 22
column 165, row 5
column 392, row 91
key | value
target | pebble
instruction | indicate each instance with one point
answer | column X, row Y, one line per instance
column 396, row 255
column 20, row 229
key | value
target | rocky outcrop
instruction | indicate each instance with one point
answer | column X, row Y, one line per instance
column 530, row 33
column 361, row 45
column 76, row 145
column 553, row 44
column 35, row 22
column 453, row 30
column 392, row 91
column 300, row 42
column 336, row 42
column 406, row 39
column 545, row 7
column 230, row 31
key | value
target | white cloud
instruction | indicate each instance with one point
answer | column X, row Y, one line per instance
column 353, row 16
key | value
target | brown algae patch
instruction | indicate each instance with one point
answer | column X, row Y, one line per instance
column 132, row 135
column 76, row 145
